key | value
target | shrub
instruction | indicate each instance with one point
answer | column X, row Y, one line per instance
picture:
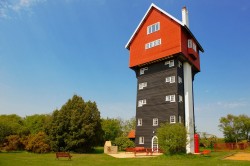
column 13, row 143
column 123, row 143
column 38, row 143
column 172, row 138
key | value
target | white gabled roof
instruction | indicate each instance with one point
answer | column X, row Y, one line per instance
column 167, row 14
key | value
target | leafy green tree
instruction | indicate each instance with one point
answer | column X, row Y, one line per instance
column 13, row 143
column 35, row 123
column 76, row 126
column 111, row 128
column 172, row 138
column 235, row 128
column 128, row 125
column 14, row 123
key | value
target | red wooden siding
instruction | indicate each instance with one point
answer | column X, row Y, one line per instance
column 169, row 33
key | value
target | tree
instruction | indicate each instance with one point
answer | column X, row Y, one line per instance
column 76, row 126
column 111, row 129
column 172, row 138
column 235, row 128
column 35, row 123
column 128, row 125
column 37, row 143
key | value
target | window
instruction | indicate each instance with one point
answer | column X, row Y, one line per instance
column 153, row 28
column 170, row 79
column 155, row 122
column 179, row 64
column 141, row 140
column 191, row 44
column 172, row 119
column 142, row 85
column 170, row 63
column 139, row 122
column 179, row 80
column 179, row 119
column 142, row 70
column 180, row 98
column 142, row 102
column 170, row 98
column 153, row 44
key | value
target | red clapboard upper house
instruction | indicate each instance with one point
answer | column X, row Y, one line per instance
column 165, row 57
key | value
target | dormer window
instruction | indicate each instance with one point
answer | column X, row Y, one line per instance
column 153, row 28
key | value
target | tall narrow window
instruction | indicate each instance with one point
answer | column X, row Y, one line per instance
column 153, row 28
column 142, row 85
column 155, row 122
column 170, row 63
column 179, row 64
column 141, row 140
column 172, row 119
column 180, row 98
column 191, row 44
column 179, row 80
column 139, row 122
column 179, row 119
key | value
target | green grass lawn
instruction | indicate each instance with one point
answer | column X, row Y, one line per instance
column 30, row 159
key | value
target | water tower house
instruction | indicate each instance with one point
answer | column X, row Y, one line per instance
column 165, row 57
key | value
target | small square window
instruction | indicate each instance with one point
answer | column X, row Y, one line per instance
column 170, row 79
column 141, row 140
column 172, row 119
column 142, row 85
column 142, row 70
column 139, row 122
column 170, row 98
column 155, row 122
column 142, row 102
column 170, row 63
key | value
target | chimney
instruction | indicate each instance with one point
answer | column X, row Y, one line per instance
column 185, row 16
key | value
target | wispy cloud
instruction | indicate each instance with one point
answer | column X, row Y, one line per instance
column 10, row 7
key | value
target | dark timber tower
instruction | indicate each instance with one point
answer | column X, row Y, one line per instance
column 165, row 57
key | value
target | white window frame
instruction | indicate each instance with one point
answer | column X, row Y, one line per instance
column 180, row 98
column 192, row 45
column 142, row 70
column 142, row 102
column 155, row 121
column 141, row 140
column 179, row 80
column 179, row 64
column 153, row 44
column 170, row 79
column 170, row 63
column 142, row 85
column 179, row 119
column 153, row 28
column 139, row 122
column 172, row 119
column 170, row 98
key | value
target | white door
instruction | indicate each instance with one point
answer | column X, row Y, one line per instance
column 155, row 144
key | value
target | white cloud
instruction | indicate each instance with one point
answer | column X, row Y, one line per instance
column 7, row 8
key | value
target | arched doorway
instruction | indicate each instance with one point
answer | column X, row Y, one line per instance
column 155, row 143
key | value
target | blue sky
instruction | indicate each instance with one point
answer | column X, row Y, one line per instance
column 51, row 50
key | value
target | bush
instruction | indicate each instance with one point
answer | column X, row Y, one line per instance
column 38, row 143
column 123, row 143
column 172, row 138
column 13, row 143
